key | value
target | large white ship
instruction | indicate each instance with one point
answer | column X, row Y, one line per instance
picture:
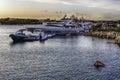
column 66, row 25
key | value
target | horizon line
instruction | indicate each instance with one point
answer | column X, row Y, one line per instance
column 56, row 18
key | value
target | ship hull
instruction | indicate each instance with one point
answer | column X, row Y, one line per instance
column 19, row 38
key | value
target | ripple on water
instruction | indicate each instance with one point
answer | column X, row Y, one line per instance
column 59, row 58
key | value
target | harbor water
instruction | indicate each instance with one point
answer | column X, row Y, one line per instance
column 58, row 58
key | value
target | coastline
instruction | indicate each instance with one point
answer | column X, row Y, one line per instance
column 106, row 34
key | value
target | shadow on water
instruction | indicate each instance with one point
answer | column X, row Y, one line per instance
column 23, row 43
column 16, row 43
column 42, row 42
column 118, row 45
column 66, row 37
column 99, row 69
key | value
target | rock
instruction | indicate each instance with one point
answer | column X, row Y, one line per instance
column 93, row 39
column 117, row 39
column 107, row 34
column 99, row 64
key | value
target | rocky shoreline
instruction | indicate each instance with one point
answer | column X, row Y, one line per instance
column 107, row 35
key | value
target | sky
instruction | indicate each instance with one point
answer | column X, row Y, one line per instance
column 55, row 9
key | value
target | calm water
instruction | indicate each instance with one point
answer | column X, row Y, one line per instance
column 59, row 58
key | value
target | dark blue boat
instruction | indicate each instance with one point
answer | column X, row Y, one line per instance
column 21, row 36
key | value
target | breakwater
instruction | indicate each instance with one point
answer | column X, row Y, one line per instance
column 106, row 34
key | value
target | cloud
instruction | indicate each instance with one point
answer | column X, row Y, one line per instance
column 106, row 4
column 92, row 9
column 99, row 9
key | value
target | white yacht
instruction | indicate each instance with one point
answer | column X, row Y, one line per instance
column 71, row 24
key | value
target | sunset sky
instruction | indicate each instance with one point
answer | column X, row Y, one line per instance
column 90, row 9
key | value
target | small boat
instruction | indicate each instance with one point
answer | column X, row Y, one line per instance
column 21, row 36
column 43, row 36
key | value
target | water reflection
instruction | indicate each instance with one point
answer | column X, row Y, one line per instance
column 16, row 43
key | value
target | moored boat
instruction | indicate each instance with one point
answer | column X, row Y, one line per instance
column 21, row 36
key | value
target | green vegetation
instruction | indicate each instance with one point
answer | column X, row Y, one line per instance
column 106, row 26
column 14, row 21
column 116, row 29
